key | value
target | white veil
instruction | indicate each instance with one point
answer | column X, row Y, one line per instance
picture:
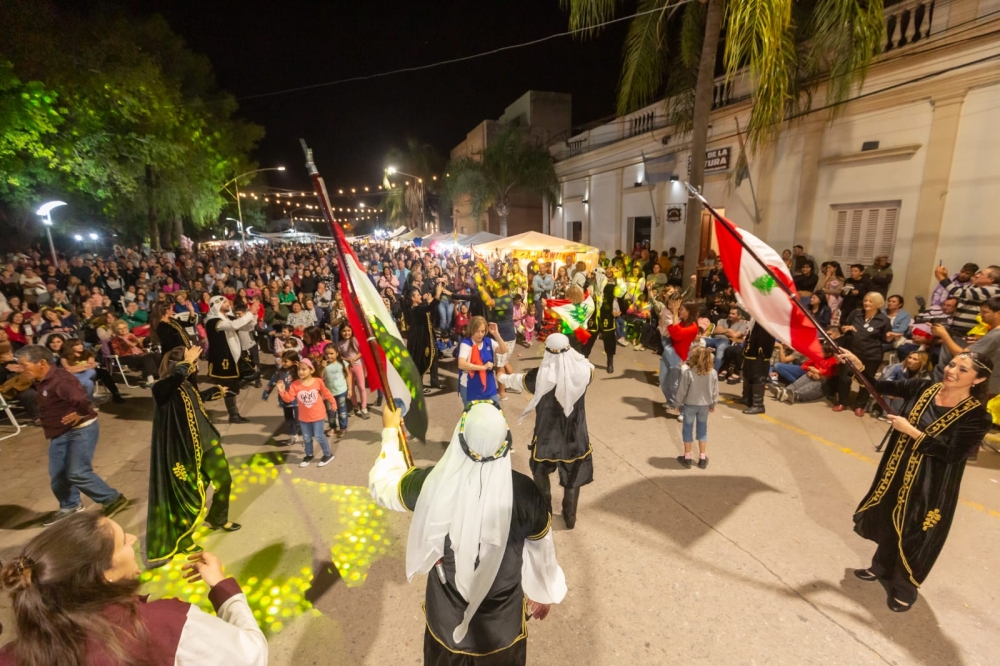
column 472, row 502
column 563, row 370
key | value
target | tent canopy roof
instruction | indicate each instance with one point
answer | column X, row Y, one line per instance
column 535, row 240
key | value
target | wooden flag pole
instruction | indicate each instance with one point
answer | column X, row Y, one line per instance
column 345, row 274
column 793, row 297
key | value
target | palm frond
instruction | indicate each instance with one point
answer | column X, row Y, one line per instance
column 760, row 33
column 845, row 36
column 643, row 57
column 589, row 13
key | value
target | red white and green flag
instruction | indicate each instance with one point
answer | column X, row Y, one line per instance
column 572, row 316
column 401, row 373
column 758, row 289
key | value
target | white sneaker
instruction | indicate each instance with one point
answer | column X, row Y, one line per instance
column 680, row 418
column 622, row 343
column 305, row 461
column 296, row 439
column 326, row 460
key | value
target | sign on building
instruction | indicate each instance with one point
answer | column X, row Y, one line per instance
column 716, row 160
column 675, row 213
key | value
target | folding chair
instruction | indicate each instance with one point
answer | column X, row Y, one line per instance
column 6, row 408
column 112, row 362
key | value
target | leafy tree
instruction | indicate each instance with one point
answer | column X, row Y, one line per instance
column 787, row 48
column 123, row 113
column 511, row 162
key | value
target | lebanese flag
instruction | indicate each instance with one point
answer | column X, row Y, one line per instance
column 401, row 373
column 573, row 317
column 766, row 302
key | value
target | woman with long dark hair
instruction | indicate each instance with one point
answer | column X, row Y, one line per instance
column 74, row 593
column 909, row 509
column 80, row 362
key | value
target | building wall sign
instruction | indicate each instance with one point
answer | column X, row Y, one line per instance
column 675, row 213
column 716, row 160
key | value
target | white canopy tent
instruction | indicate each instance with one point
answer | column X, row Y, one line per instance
column 479, row 238
column 535, row 245
column 409, row 236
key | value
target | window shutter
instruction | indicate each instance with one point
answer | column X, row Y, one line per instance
column 860, row 232
column 887, row 239
column 839, row 234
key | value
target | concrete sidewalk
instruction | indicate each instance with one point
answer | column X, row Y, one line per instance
column 746, row 562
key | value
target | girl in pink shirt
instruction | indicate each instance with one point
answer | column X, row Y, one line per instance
column 311, row 395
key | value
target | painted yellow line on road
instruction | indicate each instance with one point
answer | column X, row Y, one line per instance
column 860, row 456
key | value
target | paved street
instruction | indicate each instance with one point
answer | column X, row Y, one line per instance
column 748, row 562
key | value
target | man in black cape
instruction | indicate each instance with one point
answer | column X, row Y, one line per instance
column 561, row 441
column 420, row 342
column 185, row 456
column 483, row 534
column 228, row 364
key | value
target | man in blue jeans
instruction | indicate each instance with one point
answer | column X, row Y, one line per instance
column 70, row 424
column 727, row 332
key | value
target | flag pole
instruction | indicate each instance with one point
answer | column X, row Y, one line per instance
column 743, row 154
column 793, row 297
column 345, row 274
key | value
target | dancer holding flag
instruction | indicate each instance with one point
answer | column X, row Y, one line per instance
column 483, row 529
column 575, row 313
column 909, row 509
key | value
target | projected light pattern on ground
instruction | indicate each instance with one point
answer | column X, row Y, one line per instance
column 276, row 580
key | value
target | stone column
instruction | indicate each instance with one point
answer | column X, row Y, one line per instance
column 933, row 194
column 805, row 210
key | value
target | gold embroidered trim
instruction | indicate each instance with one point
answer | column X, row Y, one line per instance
column 932, row 519
column 180, row 472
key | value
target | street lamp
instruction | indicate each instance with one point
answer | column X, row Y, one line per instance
column 77, row 237
column 45, row 212
column 239, row 208
column 417, row 181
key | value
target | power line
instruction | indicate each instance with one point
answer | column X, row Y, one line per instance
column 441, row 63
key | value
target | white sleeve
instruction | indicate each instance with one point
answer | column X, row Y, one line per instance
column 231, row 639
column 226, row 324
column 383, row 479
column 542, row 579
column 514, row 382
column 464, row 351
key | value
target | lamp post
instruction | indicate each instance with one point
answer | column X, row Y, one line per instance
column 239, row 207
column 418, row 182
column 45, row 212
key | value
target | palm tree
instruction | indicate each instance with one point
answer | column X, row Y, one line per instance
column 417, row 196
column 788, row 48
column 509, row 163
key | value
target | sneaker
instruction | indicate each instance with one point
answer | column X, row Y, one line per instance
column 296, row 439
column 114, row 506
column 789, row 397
column 680, row 418
column 365, row 415
column 305, row 461
column 340, row 434
column 703, row 462
column 639, row 347
column 357, row 411
column 60, row 514
column 622, row 343
column 326, row 460
column 686, row 462
column 773, row 389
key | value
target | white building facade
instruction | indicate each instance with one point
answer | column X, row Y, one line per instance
column 910, row 167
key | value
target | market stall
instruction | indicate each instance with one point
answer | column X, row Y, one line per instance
column 479, row 238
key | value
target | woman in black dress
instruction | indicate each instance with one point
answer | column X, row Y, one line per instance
column 867, row 328
column 911, row 503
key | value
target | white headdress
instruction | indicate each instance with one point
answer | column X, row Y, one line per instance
column 469, row 496
column 564, row 370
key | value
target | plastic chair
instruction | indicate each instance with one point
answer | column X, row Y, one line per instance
column 6, row 408
column 112, row 362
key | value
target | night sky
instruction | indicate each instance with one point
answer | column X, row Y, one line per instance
column 263, row 47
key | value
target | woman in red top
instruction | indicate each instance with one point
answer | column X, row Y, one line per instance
column 683, row 332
